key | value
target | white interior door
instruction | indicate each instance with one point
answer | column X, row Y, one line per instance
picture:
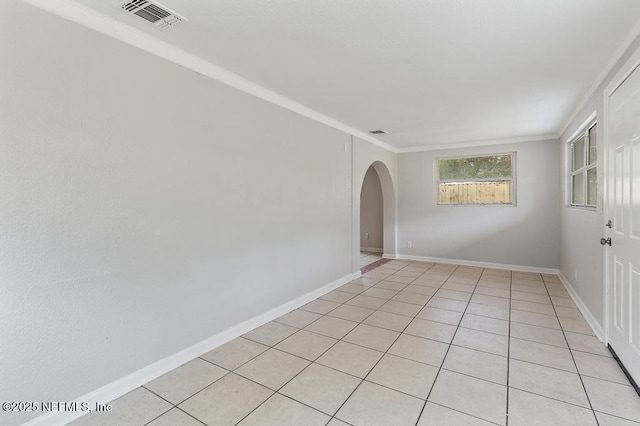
column 623, row 209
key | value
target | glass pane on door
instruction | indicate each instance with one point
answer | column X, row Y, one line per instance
column 592, row 187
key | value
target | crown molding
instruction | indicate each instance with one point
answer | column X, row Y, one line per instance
column 582, row 127
column 473, row 144
column 73, row 11
column 85, row 16
column 613, row 60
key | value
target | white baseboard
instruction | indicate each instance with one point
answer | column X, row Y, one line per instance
column 518, row 268
column 586, row 313
column 371, row 249
column 126, row 384
column 390, row 256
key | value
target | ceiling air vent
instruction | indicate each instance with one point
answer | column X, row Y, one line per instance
column 378, row 132
column 153, row 12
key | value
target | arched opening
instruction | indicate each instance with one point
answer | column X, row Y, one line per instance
column 374, row 207
column 371, row 218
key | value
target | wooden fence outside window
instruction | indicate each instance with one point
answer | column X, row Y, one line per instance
column 474, row 192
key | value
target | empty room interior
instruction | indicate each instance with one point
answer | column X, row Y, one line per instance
column 416, row 212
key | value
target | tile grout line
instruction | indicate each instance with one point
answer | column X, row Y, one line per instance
column 552, row 399
column 451, row 344
column 175, row 406
column 385, row 352
column 442, row 368
column 431, row 340
column 462, row 412
column 192, row 395
column 337, row 340
column 509, row 346
column 246, row 378
column 314, row 361
column 163, row 413
column 261, row 353
column 573, row 358
column 633, row 422
column 277, row 391
column 198, row 420
column 448, row 348
column 400, row 333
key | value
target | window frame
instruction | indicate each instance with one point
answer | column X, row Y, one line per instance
column 585, row 168
column 513, row 179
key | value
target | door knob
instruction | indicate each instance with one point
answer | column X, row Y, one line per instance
column 605, row 241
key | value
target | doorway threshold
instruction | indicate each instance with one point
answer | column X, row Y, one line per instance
column 373, row 265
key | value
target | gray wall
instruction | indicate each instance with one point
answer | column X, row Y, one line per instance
column 527, row 234
column 371, row 218
column 141, row 203
column 581, row 256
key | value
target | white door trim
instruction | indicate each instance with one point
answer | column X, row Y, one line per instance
column 623, row 73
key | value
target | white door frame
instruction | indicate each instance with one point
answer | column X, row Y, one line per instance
column 625, row 71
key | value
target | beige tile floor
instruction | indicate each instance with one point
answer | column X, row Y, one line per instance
column 409, row 343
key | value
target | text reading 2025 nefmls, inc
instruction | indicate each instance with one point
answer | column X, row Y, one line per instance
column 57, row 406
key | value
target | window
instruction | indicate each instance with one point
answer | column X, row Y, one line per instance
column 583, row 160
column 477, row 180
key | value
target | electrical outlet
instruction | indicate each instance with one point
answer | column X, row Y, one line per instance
column 575, row 274
column 409, row 244
column 366, row 235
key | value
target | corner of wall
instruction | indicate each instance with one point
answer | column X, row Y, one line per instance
column 595, row 325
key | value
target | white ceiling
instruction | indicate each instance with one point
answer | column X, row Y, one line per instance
column 430, row 72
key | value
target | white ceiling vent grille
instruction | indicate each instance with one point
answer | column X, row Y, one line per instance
column 153, row 12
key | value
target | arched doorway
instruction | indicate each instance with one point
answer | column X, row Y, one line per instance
column 371, row 218
column 378, row 170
